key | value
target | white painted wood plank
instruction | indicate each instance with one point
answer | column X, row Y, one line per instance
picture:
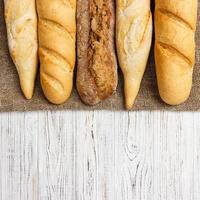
column 18, row 152
column 86, row 172
column 134, row 157
column 95, row 147
column 56, row 155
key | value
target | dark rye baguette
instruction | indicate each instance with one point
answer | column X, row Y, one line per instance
column 97, row 67
column 175, row 26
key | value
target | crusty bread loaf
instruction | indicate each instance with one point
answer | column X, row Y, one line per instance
column 97, row 67
column 57, row 34
column 175, row 25
column 21, row 22
column 133, row 39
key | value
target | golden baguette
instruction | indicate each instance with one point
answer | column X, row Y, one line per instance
column 175, row 25
column 57, row 34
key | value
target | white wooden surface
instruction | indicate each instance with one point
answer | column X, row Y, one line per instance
column 100, row 156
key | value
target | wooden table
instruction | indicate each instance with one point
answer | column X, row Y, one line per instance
column 100, row 156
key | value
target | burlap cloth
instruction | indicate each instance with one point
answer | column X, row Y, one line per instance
column 11, row 98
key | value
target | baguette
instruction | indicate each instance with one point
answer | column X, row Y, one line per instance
column 175, row 25
column 133, row 39
column 21, row 23
column 97, row 67
column 57, row 34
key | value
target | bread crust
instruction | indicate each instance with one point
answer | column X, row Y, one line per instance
column 21, row 23
column 57, row 35
column 175, row 26
column 97, row 68
column 133, row 39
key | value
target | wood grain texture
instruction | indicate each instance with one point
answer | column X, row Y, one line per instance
column 18, row 153
column 100, row 155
